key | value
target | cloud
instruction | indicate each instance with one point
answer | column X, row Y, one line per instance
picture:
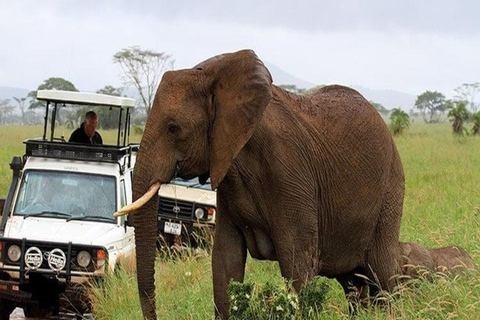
column 427, row 16
column 403, row 45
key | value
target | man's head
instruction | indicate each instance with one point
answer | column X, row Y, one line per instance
column 90, row 123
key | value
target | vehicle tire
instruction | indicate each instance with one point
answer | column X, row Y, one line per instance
column 6, row 308
column 34, row 310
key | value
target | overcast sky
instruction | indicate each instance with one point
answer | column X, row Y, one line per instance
column 404, row 45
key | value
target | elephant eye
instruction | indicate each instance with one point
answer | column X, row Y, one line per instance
column 173, row 128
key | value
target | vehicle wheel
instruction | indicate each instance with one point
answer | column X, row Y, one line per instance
column 6, row 308
column 34, row 310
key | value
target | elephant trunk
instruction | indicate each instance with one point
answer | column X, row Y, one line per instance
column 145, row 222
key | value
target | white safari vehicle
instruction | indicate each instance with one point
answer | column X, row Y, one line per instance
column 57, row 230
column 186, row 211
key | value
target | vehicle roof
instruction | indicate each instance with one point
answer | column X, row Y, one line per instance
column 101, row 168
column 75, row 97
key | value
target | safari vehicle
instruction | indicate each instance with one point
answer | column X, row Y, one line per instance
column 186, row 212
column 57, row 230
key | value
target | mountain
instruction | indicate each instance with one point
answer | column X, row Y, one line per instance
column 388, row 98
column 281, row 76
column 10, row 92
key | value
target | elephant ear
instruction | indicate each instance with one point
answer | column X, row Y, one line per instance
column 241, row 90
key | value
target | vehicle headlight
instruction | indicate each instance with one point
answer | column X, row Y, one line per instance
column 83, row 259
column 211, row 213
column 14, row 253
column 101, row 258
column 199, row 213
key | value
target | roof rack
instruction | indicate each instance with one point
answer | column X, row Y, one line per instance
column 58, row 98
column 71, row 151
column 84, row 98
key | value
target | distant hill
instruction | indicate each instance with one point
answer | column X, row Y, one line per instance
column 9, row 92
column 388, row 98
column 281, row 76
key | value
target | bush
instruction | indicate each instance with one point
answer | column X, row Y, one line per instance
column 249, row 301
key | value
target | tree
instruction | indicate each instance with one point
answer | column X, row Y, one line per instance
column 458, row 114
column 5, row 110
column 21, row 105
column 467, row 92
column 108, row 117
column 52, row 83
column 380, row 108
column 476, row 123
column 143, row 69
column 431, row 104
column 399, row 121
column 71, row 120
column 292, row 88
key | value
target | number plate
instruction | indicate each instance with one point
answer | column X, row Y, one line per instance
column 173, row 228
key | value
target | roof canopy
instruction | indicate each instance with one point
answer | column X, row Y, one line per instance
column 84, row 98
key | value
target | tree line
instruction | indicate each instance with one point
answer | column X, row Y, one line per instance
column 433, row 105
column 141, row 70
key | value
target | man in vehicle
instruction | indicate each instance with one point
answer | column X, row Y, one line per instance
column 87, row 133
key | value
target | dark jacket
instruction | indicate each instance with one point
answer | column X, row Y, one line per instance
column 79, row 136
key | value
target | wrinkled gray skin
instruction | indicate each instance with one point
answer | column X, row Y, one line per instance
column 451, row 259
column 313, row 182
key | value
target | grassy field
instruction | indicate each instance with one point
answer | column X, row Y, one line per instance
column 442, row 207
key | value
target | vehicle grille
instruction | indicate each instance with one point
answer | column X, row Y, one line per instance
column 166, row 208
column 45, row 249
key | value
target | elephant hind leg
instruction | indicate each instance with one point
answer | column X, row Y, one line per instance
column 383, row 261
column 384, row 257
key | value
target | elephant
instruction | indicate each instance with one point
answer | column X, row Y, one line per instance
column 450, row 259
column 314, row 182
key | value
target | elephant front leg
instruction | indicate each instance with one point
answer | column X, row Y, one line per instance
column 229, row 257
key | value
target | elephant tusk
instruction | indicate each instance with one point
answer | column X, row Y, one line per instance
column 140, row 201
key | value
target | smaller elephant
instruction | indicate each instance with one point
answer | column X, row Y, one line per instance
column 451, row 259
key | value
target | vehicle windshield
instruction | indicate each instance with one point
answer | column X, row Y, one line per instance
column 193, row 183
column 66, row 195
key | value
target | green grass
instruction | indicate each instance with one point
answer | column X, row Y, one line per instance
column 442, row 207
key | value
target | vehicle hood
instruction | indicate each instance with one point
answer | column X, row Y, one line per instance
column 57, row 230
column 192, row 194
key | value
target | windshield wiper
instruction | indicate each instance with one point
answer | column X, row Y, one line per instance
column 55, row 213
column 101, row 218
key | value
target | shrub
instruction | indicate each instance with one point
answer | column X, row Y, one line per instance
column 279, row 302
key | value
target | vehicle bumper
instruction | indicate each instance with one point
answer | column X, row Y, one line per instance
column 188, row 227
column 10, row 290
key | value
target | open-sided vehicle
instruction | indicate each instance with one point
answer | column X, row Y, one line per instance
column 57, row 231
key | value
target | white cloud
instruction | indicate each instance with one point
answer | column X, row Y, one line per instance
column 408, row 45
